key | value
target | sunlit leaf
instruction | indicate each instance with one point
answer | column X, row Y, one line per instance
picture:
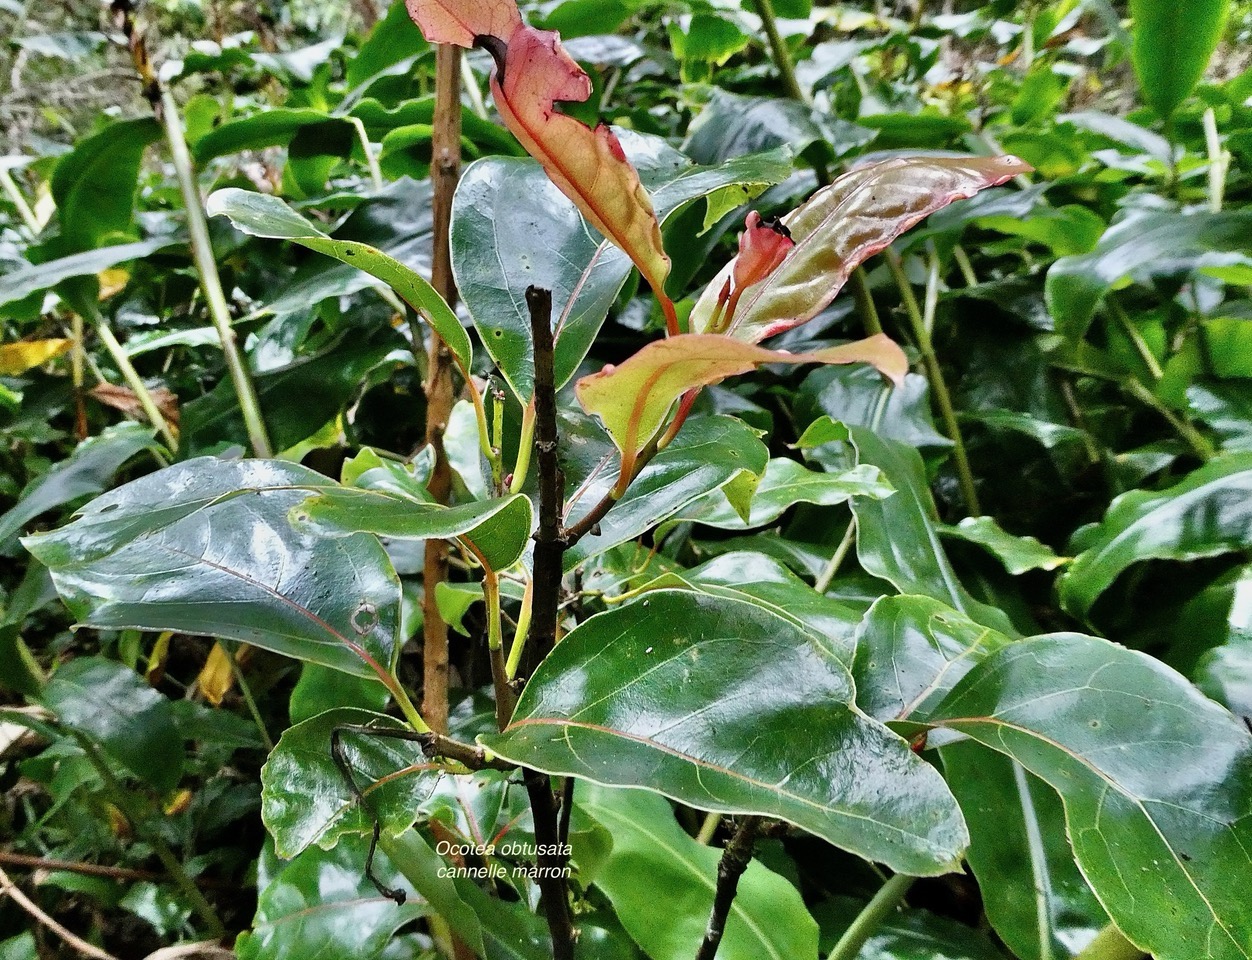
column 17, row 358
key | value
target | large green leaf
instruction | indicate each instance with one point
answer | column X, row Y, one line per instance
column 206, row 547
column 1142, row 245
column 654, row 861
column 1208, row 513
column 88, row 470
column 723, row 706
column 1156, row 781
column 1172, row 46
column 262, row 215
column 708, row 453
column 497, row 529
column 538, row 237
column 115, row 707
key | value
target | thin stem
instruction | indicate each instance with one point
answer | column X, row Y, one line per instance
column 505, row 698
column 836, row 561
column 889, row 896
column 1136, row 338
column 120, row 360
column 964, row 265
column 938, row 385
column 246, row 690
column 708, row 829
column 1219, row 162
column 497, row 442
column 210, row 280
column 1196, row 440
column 23, row 208
column 931, row 303
column 735, row 859
column 96, row 869
column 7, row 886
column 522, row 632
column 371, row 161
column 778, row 50
column 525, row 445
column 1110, row 944
column 470, row 82
column 865, row 302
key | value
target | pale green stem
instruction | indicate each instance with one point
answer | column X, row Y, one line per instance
column 491, row 593
column 1110, row 944
column 371, row 161
column 964, row 265
column 778, row 49
column 938, row 385
column 522, row 633
column 1136, row 338
column 470, row 83
column 496, row 444
column 708, row 829
column 130, row 374
column 23, row 208
column 931, row 304
column 210, row 280
column 525, row 446
column 889, row 896
column 1196, row 440
column 246, row 690
column 865, row 302
column 1219, row 162
column 841, row 554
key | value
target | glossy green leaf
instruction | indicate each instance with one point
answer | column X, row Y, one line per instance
column 1172, row 46
column 1156, row 781
column 1142, row 245
column 784, row 484
column 497, row 529
column 322, row 904
column 304, row 799
column 22, row 282
column 1208, row 513
column 840, row 227
column 723, row 706
column 115, row 707
column 540, row 238
column 1018, row 554
column 653, row 861
column 907, row 934
column 206, row 547
column 1032, row 889
column 88, row 470
column 708, row 453
column 275, row 127
column 262, row 215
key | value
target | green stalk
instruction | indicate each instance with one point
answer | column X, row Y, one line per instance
column 1193, row 437
column 836, row 561
column 1109, row 944
column 778, row 49
column 23, row 208
column 525, row 445
column 210, row 280
column 708, row 829
column 865, row 302
column 1219, row 162
column 248, row 699
column 371, row 161
column 1136, row 338
column 889, row 896
column 91, row 313
column 938, row 385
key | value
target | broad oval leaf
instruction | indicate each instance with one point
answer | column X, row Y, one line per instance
column 1156, row 781
column 1172, row 46
column 206, row 547
column 1208, row 513
column 633, row 398
column 721, row 705
column 261, row 215
column 840, row 227
column 495, row 530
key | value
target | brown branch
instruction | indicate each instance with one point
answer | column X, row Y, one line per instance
column 100, row 870
column 445, row 170
column 7, row 886
column 735, row 860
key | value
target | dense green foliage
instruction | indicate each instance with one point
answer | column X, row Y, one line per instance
column 972, row 652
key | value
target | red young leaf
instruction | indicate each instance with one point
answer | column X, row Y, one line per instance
column 461, row 22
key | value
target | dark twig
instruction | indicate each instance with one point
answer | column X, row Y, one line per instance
column 100, row 870
column 735, row 859
column 550, row 546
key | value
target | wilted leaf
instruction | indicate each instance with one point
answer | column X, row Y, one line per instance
column 124, row 399
column 843, row 225
column 17, row 358
column 632, row 399
column 461, row 22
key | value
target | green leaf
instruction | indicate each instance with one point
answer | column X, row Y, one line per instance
column 206, row 547
column 88, row 470
column 509, row 206
column 322, row 904
column 784, row 484
column 840, row 227
column 1172, row 46
column 653, row 861
column 274, row 127
column 304, row 799
column 719, row 704
column 1142, row 246
column 115, row 707
column 708, row 453
column 262, row 215
column 708, row 38
column 33, row 278
column 1018, row 554
column 498, row 530
column 1033, row 892
column 1165, row 845
column 1208, row 513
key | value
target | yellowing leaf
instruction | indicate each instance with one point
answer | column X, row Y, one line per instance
column 216, row 676
column 461, row 22
column 840, row 227
column 17, row 358
column 633, row 399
